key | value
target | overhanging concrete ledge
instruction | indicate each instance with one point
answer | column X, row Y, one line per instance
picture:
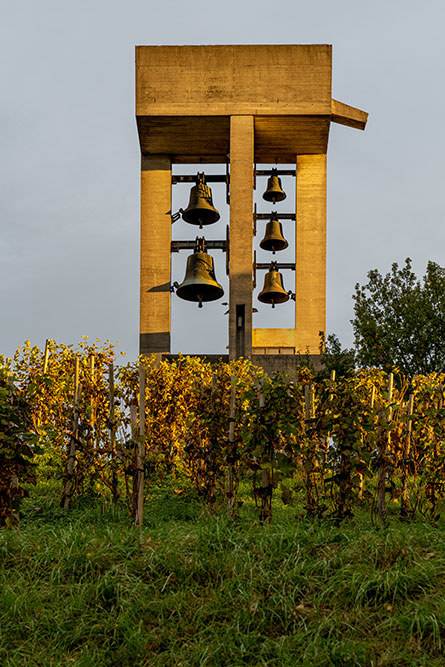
column 343, row 114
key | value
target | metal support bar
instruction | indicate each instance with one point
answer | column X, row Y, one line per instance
column 227, row 185
column 227, row 249
column 266, row 266
column 192, row 178
column 280, row 216
column 279, row 172
column 280, row 265
column 267, row 216
column 190, row 245
column 209, row 178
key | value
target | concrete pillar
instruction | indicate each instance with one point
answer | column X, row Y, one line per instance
column 241, row 235
column 155, row 255
column 310, row 252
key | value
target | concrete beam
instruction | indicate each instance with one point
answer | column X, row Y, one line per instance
column 346, row 115
column 224, row 80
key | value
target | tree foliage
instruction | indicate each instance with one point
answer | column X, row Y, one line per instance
column 400, row 321
column 334, row 357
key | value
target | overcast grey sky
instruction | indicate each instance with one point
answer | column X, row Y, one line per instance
column 69, row 165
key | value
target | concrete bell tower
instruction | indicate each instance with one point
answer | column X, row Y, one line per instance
column 237, row 105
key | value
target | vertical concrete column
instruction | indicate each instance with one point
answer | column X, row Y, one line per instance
column 155, row 255
column 310, row 252
column 241, row 235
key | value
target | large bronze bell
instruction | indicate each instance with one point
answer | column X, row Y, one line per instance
column 200, row 210
column 200, row 283
column 273, row 291
column 273, row 238
column 274, row 191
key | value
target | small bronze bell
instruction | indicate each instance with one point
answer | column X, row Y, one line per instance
column 200, row 210
column 200, row 283
column 274, row 191
column 273, row 238
column 273, row 291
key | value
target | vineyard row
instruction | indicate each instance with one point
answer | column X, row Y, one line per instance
column 333, row 445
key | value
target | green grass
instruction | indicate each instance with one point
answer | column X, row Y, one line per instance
column 202, row 590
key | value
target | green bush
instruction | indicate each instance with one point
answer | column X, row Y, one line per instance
column 16, row 449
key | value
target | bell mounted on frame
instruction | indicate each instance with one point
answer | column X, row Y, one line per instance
column 274, row 192
column 200, row 210
column 273, row 238
column 200, row 283
column 273, row 291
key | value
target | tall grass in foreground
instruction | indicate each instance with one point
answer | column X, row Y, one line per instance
column 198, row 589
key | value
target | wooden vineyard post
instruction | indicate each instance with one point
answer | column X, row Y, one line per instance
column 141, row 450
column 308, row 406
column 112, row 423
column 211, row 455
column 44, row 371
column 46, row 357
column 309, row 463
column 331, row 384
column 69, row 486
column 231, row 468
column 324, row 441
column 92, row 399
column 362, row 477
column 384, row 444
column 266, row 474
column 372, row 399
column 135, row 440
column 406, row 452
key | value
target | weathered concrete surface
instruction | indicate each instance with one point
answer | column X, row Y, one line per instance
column 186, row 94
column 241, row 231
column 285, row 79
column 155, row 254
column 273, row 339
column 310, row 252
column 310, row 265
column 271, row 363
column 346, row 115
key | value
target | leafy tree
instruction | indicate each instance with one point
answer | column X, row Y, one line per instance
column 334, row 357
column 400, row 320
